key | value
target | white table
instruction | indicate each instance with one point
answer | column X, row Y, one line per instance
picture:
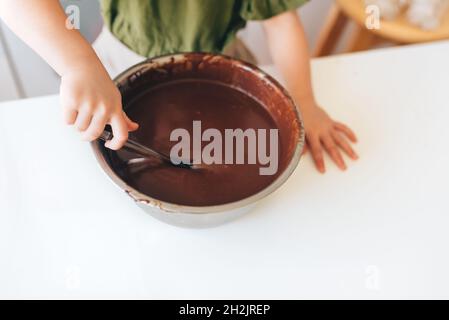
column 379, row 230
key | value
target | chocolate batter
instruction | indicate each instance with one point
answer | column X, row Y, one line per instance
column 176, row 104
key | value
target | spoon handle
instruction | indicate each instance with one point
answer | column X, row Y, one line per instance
column 141, row 149
column 145, row 151
column 136, row 147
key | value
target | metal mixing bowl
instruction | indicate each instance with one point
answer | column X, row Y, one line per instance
column 236, row 73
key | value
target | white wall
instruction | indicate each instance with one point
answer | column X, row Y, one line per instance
column 8, row 88
column 38, row 79
column 35, row 77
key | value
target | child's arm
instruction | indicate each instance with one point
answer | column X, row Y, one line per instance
column 289, row 49
column 88, row 95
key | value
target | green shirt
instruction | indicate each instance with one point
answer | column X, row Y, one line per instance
column 156, row 27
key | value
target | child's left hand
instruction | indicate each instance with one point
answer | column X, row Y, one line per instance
column 288, row 45
column 323, row 133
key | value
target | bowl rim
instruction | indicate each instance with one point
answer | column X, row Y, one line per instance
column 169, row 207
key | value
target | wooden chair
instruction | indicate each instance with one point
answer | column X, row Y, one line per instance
column 398, row 31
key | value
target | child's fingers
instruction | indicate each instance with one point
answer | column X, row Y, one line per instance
column 83, row 120
column 96, row 127
column 132, row 126
column 70, row 116
column 333, row 151
column 344, row 145
column 347, row 131
column 317, row 153
column 119, row 131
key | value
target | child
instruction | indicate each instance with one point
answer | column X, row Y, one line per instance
column 153, row 27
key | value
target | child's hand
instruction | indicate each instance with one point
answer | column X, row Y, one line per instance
column 286, row 31
column 88, row 96
column 91, row 101
column 324, row 133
